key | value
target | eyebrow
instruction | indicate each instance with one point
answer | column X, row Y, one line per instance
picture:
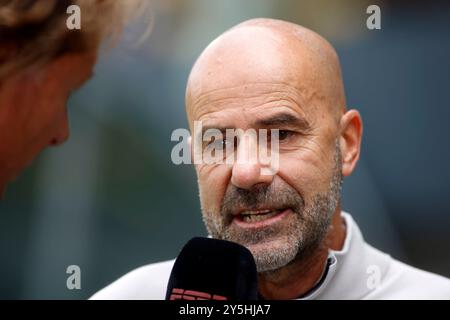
column 282, row 119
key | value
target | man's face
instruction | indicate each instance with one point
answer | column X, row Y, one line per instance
column 277, row 217
column 255, row 79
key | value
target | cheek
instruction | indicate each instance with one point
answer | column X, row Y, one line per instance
column 213, row 182
column 49, row 111
column 33, row 112
column 306, row 172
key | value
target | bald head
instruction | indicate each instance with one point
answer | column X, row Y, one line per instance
column 267, row 51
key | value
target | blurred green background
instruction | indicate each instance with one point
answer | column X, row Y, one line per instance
column 110, row 199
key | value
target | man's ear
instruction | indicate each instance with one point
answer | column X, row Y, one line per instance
column 350, row 140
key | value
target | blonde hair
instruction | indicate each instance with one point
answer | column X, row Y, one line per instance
column 35, row 31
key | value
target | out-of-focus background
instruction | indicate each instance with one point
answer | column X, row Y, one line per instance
column 110, row 199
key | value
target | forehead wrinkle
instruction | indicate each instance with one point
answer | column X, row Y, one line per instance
column 301, row 98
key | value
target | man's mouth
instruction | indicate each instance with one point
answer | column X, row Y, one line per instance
column 257, row 215
column 259, row 218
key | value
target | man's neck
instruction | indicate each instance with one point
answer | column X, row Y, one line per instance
column 300, row 276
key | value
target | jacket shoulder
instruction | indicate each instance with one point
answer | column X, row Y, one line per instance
column 148, row 282
column 403, row 281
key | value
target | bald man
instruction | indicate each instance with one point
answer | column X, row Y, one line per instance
column 275, row 75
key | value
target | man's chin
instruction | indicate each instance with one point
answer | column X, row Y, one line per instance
column 271, row 255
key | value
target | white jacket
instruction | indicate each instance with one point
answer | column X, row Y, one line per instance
column 358, row 271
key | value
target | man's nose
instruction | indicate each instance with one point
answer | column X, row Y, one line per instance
column 247, row 169
column 62, row 131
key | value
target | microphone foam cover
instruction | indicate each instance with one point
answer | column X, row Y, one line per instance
column 212, row 269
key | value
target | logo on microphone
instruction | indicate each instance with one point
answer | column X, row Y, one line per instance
column 182, row 294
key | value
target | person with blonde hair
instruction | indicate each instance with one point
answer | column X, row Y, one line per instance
column 42, row 62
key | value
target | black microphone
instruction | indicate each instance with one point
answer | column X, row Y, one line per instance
column 211, row 269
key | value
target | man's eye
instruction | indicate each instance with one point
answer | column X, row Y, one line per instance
column 284, row 134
